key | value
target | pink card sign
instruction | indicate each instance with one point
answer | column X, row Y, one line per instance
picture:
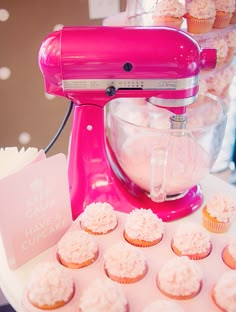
column 35, row 209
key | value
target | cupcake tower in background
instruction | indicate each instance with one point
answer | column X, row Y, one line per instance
column 212, row 24
column 196, row 16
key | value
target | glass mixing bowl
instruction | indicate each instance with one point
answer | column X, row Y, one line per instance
column 161, row 161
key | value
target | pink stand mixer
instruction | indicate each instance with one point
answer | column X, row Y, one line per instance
column 92, row 66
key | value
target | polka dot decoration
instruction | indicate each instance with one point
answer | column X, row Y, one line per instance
column 5, row 73
column 4, row 15
column 24, row 138
column 58, row 27
column 49, row 96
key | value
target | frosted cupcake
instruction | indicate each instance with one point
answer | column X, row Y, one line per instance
column 124, row 264
column 229, row 254
column 103, row 295
column 98, row 218
column 230, row 38
column 169, row 13
column 163, row 306
column 221, row 46
column 224, row 292
column 219, row 83
column 218, row 213
column 200, row 16
column 233, row 17
column 224, row 12
column 191, row 240
column 49, row 287
column 143, row 228
column 77, row 249
column 203, row 88
column 180, row 278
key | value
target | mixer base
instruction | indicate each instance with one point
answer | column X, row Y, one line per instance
column 176, row 196
column 178, row 207
column 122, row 200
column 169, row 210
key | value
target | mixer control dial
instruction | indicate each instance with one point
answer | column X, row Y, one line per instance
column 128, row 67
column 110, row 91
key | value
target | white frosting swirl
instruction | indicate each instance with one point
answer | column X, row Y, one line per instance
column 191, row 238
column 103, row 295
column 77, row 247
column 225, row 6
column 49, row 284
column 122, row 260
column 143, row 224
column 224, row 291
column 202, row 9
column 180, row 277
column 221, row 207
column 99, row 217
column 172, row 8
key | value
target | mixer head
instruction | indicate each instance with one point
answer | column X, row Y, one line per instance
column 97, row 64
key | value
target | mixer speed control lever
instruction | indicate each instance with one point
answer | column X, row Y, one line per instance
column 110, row 91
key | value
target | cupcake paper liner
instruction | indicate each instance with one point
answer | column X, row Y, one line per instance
column 233, row 18
column 127, row 280
column 141, row 243
column 88, row 230
column 199, row 26
column 168, row 21
column 222, row 20
column 197, row 256
column 228, row 259
column 215, row 226
column 178, row 297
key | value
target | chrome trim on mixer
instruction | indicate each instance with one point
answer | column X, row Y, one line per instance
column 172, row 102
column 143, row 84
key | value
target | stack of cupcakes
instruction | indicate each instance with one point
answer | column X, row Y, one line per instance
column 169, row 13
column 224, row 12
column 200, row 16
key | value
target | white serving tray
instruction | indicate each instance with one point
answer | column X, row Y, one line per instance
column 141, row 293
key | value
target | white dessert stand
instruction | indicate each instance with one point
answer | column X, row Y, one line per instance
column 12, row 283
